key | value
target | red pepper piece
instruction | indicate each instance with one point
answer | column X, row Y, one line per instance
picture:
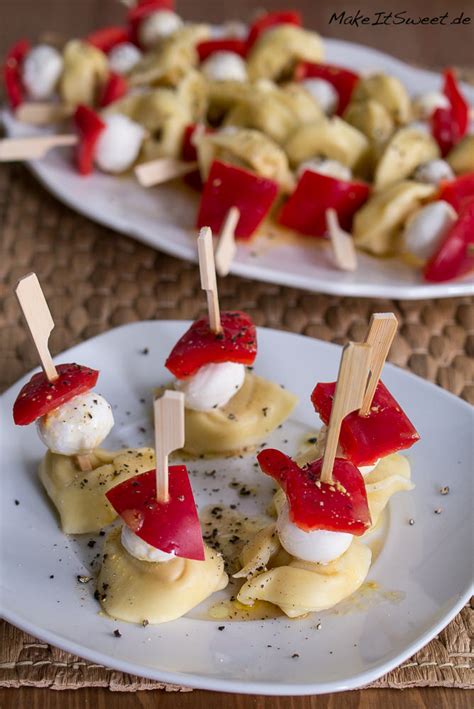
column 269, row 20
column 12, row 72
column 365, row 439
column 200, row 345
column 457, row 191
column 115, row 88
column 142, row 10
column 449, row 125
column 230, row 186
column 305, row 210
column 343, row 80
column 189, row 154
column 455, row 255
column 338, row 507
column 39, row 396
column 171, row 526
column 89, row 125
column 230, row 44
column 107, row 38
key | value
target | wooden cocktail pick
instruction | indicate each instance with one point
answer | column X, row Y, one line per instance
column 169, row 436
column 207, row 270
column 157, row 172
column 342, row 243
column 41, row 113
column 350, row 389
column 382, row 330
column 40, row 325
column 32, row 148
column 226, row 247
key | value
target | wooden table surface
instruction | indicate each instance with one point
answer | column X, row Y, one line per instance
column 430, row 45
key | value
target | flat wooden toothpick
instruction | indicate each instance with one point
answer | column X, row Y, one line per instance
column 382, row 330
column 32, row 148
column 350, row 389
column 207, row 270
column 157, row 172
column 169, row 436
column 342, row 243
column 226, row 247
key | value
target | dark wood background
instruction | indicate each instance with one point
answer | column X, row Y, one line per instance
column 432, row 46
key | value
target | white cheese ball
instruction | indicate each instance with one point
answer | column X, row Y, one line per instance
column 78, row 426
column 157, row 26
column 123, row 57
column 433, row 171
column 426, row 104
column 212, row 386
column 142, row 550
column 224, row 66
column 319, row 546
column 119, row 144
column 42, row 68
column 331, row 168
column 425, row 230
column 323, row 93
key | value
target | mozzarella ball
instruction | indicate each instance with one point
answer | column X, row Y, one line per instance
column 331, row 168
column 224, row 66
column 433, row 171
column 323, row 93
column 42, row 68
column 426, row 104
column 212, row 386
column 123, row 57
column 319, row 546
column 157, row 26
column 425, row 230
column 142, row 550
column 119, row 144
column 78, row 426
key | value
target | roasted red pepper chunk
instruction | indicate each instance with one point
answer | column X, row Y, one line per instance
column 114, row 89
column 200, row 345
column 458, row 191
column 455, row 255
column 343, row 80
column 269, row 20
column 340, row 506
column 171, row 526
column 449, row 125
column 230, row 186
column 142, row 10
column 305, row 210
column 89, row 126
column 12, row 72
column 225, row 44
column 40, row 396
column 365, row 439
column 107, row 38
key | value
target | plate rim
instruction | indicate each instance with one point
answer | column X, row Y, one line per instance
column 212, row 683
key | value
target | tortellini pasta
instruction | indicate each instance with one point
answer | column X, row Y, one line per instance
column 391, row 475
column 387, row 90
column 379, row 222
column 85, row 70
column 461, row 157
column 408, row 148
column 277, row 50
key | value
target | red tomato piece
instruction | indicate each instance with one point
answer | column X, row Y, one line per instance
column 457, row 191
column 343, row 80
column 230, row 186
column 40, row 396
column 107, row 38
column 455, row 255
column 230, row 44
column 365, row 439
column 115, row 88
column 269, row 20
column 171, row 526
column 12, row 72
column 143, row 10
column 305, row 210
column 200, row 345
column 337, row 507
column 89, row 126
column 449, row 125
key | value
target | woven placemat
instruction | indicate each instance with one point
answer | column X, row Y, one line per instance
column 95, row 280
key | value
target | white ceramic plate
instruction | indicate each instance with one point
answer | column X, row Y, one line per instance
column 423, row 571
column 164, row 217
